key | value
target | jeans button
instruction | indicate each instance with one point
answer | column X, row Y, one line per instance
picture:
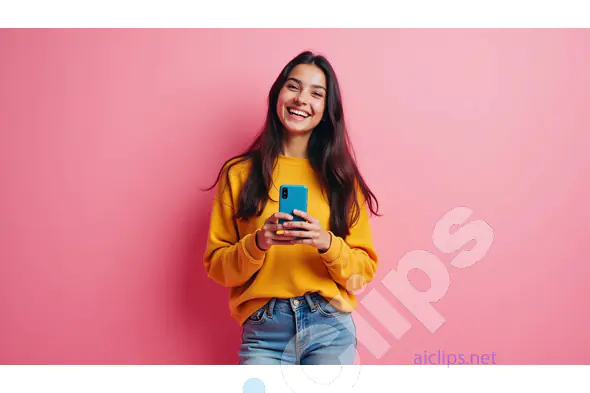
column 295, row 302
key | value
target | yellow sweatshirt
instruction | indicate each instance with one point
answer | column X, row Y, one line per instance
column 233, row 259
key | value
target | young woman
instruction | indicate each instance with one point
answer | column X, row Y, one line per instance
column 291, row 286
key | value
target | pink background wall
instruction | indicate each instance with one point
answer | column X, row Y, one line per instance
column 107, row 136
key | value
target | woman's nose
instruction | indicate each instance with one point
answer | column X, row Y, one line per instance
column 302, row 98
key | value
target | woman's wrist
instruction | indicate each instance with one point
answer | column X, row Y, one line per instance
column 257, row 237
column 328, row 244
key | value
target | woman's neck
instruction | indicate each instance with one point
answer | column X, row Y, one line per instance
column 296, row 145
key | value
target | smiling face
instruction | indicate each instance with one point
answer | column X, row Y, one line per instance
column 302, row 99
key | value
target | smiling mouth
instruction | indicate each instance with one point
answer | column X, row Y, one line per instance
column 298, row 113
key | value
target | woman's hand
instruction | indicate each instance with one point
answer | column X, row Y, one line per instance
column 310, row 232
column 267, row 236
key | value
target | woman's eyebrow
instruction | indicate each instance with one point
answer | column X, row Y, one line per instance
column 299, row 82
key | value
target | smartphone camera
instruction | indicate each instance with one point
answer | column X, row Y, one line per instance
column 285, row 193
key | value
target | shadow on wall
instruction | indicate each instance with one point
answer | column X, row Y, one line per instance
column 212, row 334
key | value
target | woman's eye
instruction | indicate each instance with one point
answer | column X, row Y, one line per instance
column 318, row 94
column 291, row 87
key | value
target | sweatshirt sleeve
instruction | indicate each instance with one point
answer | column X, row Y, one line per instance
column 352, row 262
column 229, row 260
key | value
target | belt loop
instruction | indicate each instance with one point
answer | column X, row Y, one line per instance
column 271, row 306
column 310, row 303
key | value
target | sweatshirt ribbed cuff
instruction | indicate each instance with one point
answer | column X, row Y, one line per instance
column 251, row 249
column 332, row 254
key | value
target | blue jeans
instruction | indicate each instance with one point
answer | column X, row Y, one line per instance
column 303, row 330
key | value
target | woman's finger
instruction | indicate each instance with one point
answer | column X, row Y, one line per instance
column 274, row 237
column 279, row 215
column 300, row 225
column 305, row 234
column 272, row 227
column 305, row 216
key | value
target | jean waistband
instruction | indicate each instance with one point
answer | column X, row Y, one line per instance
column 310, row 299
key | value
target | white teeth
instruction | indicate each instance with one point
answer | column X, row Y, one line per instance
column 296, row 112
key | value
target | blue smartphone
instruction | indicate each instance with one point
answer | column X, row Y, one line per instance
column 291, row 197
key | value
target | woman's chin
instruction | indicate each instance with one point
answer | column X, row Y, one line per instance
column 297, row 129
column 294, row 130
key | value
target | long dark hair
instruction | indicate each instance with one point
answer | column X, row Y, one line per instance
column 329, row 151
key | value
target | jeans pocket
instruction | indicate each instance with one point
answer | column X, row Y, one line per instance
column 328, row 310
column 258, row 316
